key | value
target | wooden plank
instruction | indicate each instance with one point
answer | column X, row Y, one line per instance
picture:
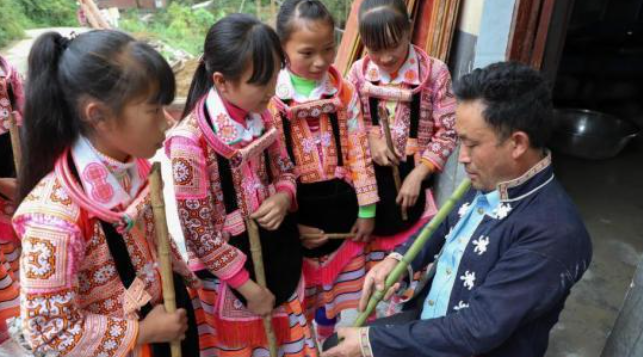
column 350, row 45
column 626, row 338
column 523, row 30
column 540, row 41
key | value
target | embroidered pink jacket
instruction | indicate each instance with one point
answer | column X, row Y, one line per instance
column 311, row 166
column 72, row 299
column 436, row 135
column 193, row 152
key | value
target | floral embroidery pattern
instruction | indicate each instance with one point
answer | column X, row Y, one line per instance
column 481, row 245
column 182, row 171
column 469, row 279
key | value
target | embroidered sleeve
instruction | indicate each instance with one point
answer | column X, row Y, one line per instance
column 53, row 321
column 197, row 212
column 284, row 171
column 444, row 138
column 359, row 154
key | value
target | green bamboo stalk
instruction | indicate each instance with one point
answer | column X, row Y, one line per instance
column 410, row 255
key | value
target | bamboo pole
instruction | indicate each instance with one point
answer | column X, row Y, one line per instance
column 413, row 251
column 14, row 132
column 260, row 275
column 163, row 246
column 328, row 235
column 389, row 143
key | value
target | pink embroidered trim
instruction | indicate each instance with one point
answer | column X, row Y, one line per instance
column 123, row 220
column 382, row 92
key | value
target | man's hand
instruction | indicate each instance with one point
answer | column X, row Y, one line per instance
column 376, row 278
column 349, row 345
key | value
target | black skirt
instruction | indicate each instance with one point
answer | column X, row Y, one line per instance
column 282, row 259
column 388, row 220
column 330, row 206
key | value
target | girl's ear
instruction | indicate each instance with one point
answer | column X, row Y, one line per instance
column 95, row 114
column 220, row 82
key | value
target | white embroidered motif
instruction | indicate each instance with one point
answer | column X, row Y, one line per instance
column 469, row 279
column 463, row 209
column 461, row 305
column 502, row 211
column 481, row 245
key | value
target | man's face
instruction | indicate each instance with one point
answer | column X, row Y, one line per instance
column 486, row 158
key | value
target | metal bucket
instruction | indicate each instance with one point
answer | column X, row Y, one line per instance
column 590, row 134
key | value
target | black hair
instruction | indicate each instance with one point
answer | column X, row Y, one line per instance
column 105, row 65
column 300, row 9
column 231, row 45
column 516, row 98
column 383, row 23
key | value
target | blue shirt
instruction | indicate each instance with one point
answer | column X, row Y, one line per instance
column 437, row 302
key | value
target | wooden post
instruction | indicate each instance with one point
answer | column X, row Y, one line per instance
column 14, row 132
column 163, row 246
column 389, row 143
column 626, row 338
column 260, row 275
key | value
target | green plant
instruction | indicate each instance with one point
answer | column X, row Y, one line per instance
column 12, row 21
column 50, row 12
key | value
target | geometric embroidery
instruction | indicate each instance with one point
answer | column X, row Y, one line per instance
column 45, row 258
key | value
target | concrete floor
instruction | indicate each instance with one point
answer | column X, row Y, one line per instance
column 609, row 195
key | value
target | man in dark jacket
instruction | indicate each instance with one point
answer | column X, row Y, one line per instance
column 507, row 257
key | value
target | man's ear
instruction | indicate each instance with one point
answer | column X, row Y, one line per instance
column 520, row 144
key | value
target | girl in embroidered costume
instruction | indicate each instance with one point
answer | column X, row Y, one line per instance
column 230, row 166
column 414, row 90
column 11, row 102
column 318, row 115
column 90, row 284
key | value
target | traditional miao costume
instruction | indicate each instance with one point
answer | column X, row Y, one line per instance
column 226, row 163
column 421, row 109
column 11, row 97
column 89, row 269
column 326, row 138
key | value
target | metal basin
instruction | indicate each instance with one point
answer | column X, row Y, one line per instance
column 589, row 134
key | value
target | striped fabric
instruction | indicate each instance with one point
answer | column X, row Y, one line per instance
column 343, row 294
column 298, row 340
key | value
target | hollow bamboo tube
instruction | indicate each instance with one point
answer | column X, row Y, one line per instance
column 389, row 143
column 14, row 132
column 413, row 251
column 260, row 275
column 163, row 246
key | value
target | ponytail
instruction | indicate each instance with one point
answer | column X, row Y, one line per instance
column 201, row 84
column 47, row 128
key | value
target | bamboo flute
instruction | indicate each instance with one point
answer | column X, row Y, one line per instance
column 163, row 246
column 389, row 143
column 328, row 235
column 413, row 251
column 260, row 275
column 14, row 132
